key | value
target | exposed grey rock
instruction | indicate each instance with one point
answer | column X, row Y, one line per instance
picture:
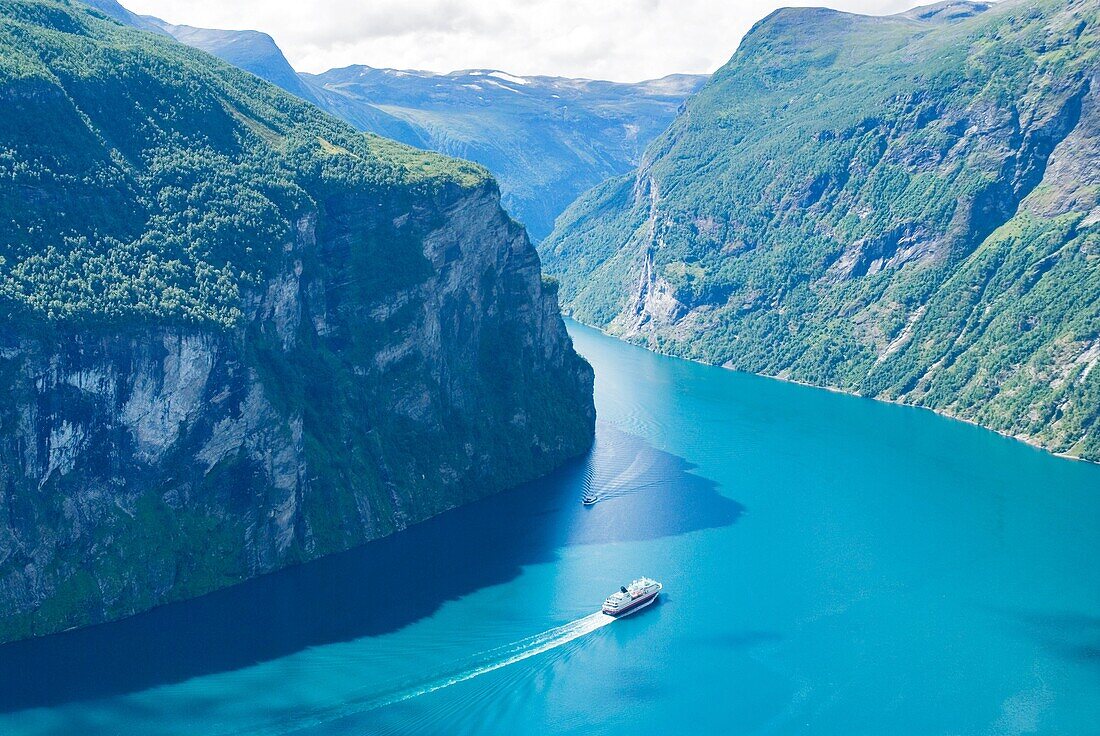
column 145, row 464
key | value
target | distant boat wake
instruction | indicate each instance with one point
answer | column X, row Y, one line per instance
column 636, row 476
column 485, row 662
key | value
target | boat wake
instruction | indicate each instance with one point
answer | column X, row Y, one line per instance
column 604, row 484
column 483, row 663
column 494, row 659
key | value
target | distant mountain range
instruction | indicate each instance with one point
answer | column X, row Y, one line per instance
column 545, row 139
column 905, row 207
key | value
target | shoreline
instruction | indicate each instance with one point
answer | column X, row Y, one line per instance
column 1030, row 442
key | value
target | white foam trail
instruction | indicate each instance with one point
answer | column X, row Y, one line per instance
column 606, row 494
column 504, row 656
column 489, row 661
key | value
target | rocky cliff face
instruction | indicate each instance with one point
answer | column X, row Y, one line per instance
column 380, row 345
column 146, row 464
column 903, row 207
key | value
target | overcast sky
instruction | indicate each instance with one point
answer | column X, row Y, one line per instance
column 626, row 40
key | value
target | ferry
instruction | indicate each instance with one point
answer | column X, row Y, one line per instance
column 632, row 598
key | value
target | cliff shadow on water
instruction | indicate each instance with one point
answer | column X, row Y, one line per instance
column 643, row 493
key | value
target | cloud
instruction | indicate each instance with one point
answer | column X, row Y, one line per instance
column 624, row 40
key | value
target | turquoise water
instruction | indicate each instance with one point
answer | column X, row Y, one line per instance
column 831, row 565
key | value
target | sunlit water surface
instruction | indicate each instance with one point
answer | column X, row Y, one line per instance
column 831, row 565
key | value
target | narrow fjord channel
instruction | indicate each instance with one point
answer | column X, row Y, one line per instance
column 830, row 564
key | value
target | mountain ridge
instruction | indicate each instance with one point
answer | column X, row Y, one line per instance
column 253, row 51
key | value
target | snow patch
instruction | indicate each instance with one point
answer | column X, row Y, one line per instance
column 504, row 86
column 509, row 78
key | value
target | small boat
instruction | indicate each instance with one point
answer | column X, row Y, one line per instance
column 588, row 499
column 632, row 598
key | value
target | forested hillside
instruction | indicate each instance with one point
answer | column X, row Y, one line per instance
column 905, row 207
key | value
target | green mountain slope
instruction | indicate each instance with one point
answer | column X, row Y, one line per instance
column 905, row 207
column 236, row 333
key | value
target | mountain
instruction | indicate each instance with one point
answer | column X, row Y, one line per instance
column 252, row 51
column 903, row 207
column 545, row 139
column 238, row 333
column 115, row 11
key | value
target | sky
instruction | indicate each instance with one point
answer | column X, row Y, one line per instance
column 622, row 40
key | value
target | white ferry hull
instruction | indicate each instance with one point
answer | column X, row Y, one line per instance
column 634, row 606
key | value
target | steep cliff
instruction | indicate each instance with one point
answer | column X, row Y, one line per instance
column 904, row 207
column 236, row 334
